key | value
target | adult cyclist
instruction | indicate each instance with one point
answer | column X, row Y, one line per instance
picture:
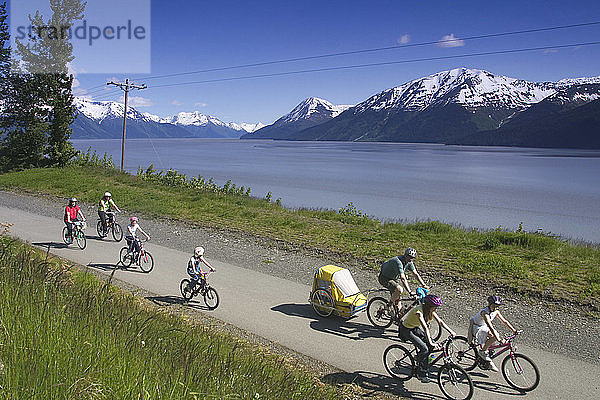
column 105, row 205
column 72, row 214
column 392, row 275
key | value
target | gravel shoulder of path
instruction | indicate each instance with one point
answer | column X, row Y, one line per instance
column 566, row 329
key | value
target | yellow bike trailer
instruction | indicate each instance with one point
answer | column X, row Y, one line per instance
column 334, row 291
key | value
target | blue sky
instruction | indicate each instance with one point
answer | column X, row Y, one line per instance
column 194, row 35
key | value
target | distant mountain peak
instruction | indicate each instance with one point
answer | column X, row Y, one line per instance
column 313, row 108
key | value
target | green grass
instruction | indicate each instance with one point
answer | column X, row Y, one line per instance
column 525, row 261
column 66, row 335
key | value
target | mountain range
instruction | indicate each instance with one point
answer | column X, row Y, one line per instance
column 104, row 120
column 459, row 106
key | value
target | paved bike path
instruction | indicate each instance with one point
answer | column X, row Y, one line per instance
column 277, row 309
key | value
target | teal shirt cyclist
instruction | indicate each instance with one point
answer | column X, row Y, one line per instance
column 393, row 268
column 393, row 274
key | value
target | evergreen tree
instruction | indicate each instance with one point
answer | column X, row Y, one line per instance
column 47, row 103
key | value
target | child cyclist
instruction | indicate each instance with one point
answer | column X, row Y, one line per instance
column 415, row 329
column 131, row 237
column 482, row 330
column 193, row 268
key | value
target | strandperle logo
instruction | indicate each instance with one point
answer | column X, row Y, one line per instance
column 93, row 36
column 83, row 31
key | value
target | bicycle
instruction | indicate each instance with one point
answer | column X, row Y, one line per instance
column 111, row 225
column 211, row 297
column 382, row 314
column 142, row 258
column 78, row 234
column 454, row 382
column 518, row 370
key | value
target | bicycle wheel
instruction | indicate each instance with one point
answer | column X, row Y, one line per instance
column 64, row 235
column 435, row 329
column 322, row 303
column 520, row 372
column 378, row 312
column 125, row 257
column 100, row 229
column 184, row 288
column 117, row 232
column 455, row 382
column 462, row 353
column 146, row 261
column 211, row 298
column 80, row 239
column 399, row 362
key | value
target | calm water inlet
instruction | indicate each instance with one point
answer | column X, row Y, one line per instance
column 554, row 190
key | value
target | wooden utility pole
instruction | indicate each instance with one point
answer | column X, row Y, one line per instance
column 126, row 87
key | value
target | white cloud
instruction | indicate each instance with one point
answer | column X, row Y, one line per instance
column 404, row 39
column 450, row 41
column 549, row 51
column 137, row 101
column 200, row 104
column 176, row 102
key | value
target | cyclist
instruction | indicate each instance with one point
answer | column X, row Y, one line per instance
column 482, row 330
column 393, row 275
column 132, row 238
column 193, row 268
column 415, row 329
column 72, row 212
column 104, row 205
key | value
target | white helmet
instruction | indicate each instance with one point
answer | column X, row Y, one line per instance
column 199, row 251
column 410, row 252
column 107, row 194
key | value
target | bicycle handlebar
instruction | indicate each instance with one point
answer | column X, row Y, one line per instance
column 514, row 335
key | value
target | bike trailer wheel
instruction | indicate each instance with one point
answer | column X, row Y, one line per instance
column 322, row 303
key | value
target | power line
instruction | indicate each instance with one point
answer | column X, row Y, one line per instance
column 274, row 74
column 371, row 50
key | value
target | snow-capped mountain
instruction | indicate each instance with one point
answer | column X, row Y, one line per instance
column 308, row 113
column 103, row 110
column 246, row 126
column 471, row 88
column 442, row 107
column 102, row 119
column 313, row 109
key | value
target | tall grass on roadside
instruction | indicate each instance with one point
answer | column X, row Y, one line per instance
column 66, row 335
